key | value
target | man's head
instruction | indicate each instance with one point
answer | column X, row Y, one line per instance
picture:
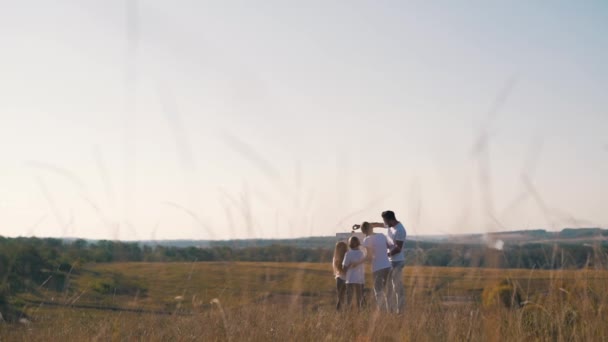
column 389, row 218
column 366, row 228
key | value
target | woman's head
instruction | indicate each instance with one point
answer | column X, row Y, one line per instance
column 353, row 242
column 340, row 248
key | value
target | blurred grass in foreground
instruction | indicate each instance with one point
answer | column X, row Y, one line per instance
column 294, row 301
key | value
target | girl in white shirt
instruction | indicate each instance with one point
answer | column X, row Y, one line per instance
column 340, row 274
column 355, row 272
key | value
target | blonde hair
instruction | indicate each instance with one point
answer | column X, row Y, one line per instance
column 339, row 252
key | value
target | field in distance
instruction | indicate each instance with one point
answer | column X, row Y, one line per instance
column 226, row 301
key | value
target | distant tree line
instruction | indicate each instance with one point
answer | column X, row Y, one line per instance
column 528, row 256
column 26, row 263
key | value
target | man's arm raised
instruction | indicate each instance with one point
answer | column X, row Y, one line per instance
column 373, row 225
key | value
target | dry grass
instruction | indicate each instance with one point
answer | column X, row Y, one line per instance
column 283, row 301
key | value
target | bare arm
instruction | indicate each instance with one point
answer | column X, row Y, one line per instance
column 373, row 225
column 368, row 257
column 345, row 266
column 357, row 263
column 396, row 249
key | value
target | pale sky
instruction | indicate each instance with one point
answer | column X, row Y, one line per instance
column 273, row 119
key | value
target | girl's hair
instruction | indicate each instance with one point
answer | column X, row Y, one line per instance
column 353, row 242
column 365, row 226
column 339, row 252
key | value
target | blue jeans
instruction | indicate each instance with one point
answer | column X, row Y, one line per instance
column 396, row 291
column 380, row 287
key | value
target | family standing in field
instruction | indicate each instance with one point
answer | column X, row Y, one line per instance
column 387, row 256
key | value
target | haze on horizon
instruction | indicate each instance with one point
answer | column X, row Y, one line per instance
column 219, row 120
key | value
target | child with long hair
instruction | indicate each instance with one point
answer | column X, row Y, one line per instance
column 355, row 272
column 339, row 272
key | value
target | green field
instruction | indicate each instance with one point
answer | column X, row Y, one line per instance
column 261, row 301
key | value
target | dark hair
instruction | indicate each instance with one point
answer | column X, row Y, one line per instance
column 353, row 242
column 388, row 215
column 365, row 227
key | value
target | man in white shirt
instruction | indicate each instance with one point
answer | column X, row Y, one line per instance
column 396, row 235
column 376, row 246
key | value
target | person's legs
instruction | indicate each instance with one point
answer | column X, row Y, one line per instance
column 349, row 295
column 391, row 303
column 359, row 295
column 380, row 282
column 363, row 303
column 341, row 292
column 396, row 279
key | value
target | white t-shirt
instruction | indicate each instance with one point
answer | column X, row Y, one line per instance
column 397, row 233
column 354, row 275
column 377, row 244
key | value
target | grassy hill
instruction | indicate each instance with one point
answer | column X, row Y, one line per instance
column 65, row 291
column 295, row 301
